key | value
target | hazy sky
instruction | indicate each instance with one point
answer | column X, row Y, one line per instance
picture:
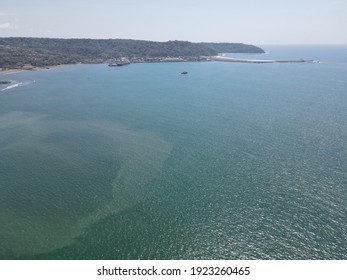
column 246, row 21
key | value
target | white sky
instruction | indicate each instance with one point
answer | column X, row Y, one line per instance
column 246, row 21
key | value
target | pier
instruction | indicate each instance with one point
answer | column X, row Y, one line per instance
column 229, row 59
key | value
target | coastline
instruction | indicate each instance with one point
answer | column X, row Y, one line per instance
column 15, row 71
column 220, row 57
column 11, row 71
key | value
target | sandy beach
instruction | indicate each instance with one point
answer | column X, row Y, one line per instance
column 12, row 71
column 230, row 59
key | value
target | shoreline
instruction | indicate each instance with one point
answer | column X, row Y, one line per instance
column 220, row 57
column 11, row 71
column 33, row 69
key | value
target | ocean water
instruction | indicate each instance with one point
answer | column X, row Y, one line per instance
column 232, row 161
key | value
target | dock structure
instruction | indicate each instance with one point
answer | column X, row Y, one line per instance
column 230, row 59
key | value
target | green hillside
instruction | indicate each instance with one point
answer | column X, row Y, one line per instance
column 16, row 52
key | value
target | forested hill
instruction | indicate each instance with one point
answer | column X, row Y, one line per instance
column 16, row 52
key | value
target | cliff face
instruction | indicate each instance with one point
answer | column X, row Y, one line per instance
column 16, row 52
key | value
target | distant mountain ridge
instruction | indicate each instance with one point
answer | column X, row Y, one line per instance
column 19, row 51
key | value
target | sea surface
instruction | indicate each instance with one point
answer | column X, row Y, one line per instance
column 232, row 161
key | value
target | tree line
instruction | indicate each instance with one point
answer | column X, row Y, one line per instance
column 16, row 52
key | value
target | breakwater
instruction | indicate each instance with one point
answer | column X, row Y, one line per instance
column 229, row 59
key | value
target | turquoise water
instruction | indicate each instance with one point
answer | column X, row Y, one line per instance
column 232, row 161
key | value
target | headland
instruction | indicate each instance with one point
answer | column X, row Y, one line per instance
column 35, row 53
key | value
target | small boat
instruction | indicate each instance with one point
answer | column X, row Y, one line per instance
column 5, row 82
column 184, row 73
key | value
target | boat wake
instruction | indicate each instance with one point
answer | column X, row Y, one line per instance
column 12, row 86
column 15, row 84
